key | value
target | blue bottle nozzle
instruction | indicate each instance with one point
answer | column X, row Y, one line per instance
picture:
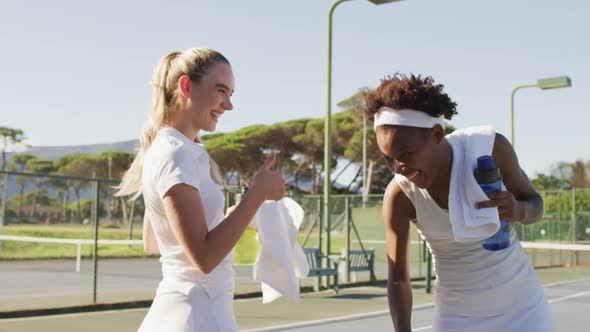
column 485, row 163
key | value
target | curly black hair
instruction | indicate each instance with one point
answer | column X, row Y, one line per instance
column 412, row 92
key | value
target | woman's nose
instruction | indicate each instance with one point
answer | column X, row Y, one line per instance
column 227, row 105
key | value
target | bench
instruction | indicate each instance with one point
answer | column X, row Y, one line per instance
column 360, row 261
column 314, row 259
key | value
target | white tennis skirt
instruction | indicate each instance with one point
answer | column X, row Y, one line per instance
column 196, row 311
column 535, row 317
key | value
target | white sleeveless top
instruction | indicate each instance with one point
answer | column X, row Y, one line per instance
column 474, row 282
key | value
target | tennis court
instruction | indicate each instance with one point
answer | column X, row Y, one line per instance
column 568, row 291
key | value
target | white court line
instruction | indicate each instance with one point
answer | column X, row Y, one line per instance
column 383, row 313
column 303, row 324
column 339, row 320
column 565, row 282
column 567, row 297
column 559, row 299
column 563, row 298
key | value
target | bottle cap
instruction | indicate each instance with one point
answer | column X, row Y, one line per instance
column 485, row 163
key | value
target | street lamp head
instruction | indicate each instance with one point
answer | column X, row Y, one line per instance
column 554, row 82
column 380, row 2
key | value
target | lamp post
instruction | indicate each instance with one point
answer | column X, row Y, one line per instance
column 544, row 84
column 365, row 189
column 327, row 204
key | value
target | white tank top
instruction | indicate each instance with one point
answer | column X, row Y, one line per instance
column 471, row 280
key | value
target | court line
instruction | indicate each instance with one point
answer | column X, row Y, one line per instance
column 555, row 284
column 315, row 322
column 383, row 313
column 568, row 297
column 555, row 300
column 339, row 320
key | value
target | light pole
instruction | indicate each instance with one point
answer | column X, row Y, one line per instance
column 365, row 189
column 545, row 84
column 327, row 204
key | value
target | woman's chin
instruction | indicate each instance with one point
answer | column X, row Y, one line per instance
column 210, row 128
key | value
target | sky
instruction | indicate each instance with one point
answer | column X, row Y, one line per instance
column 77, row 72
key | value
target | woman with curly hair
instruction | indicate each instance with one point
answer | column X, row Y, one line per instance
column 476, row 289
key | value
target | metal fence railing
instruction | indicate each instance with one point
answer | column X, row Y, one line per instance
column 78, row 244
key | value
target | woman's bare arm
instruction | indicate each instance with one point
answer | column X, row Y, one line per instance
column 186, row 215
column 397, row 212
column 520, row 202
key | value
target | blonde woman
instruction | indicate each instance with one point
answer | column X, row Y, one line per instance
column 181, row 187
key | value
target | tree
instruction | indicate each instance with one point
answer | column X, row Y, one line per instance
column 78, row 165
column 242, row 152
column 579, row 176
column 280, row 136
column 9, row 137
column 575, row 173
column 20, row 161
column 117, row 162
column 548, row 182
column 225, row 150
column 351, row 136
column 238, row 152
column 60, row 167
column 310, row 143
column 39, row 166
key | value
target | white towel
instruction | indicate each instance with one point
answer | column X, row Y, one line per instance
column 281, row 260
column 468, row 222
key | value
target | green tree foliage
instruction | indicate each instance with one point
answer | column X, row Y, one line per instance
column 549, row 182
column 9, row 137
column 20, row 161
column 310, row 145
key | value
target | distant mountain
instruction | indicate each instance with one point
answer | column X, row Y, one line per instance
column 55, row 152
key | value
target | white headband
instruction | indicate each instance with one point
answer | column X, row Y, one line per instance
column 405, row 117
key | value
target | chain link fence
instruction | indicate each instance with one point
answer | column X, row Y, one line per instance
column 67, row 240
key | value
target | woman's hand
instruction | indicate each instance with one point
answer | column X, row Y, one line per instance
column 509, row 208
column 269, row 182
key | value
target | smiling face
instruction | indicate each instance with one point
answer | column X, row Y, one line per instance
column 412, row 152
column 210, row 97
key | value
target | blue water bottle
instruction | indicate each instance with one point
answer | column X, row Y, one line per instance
column 490, row 180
